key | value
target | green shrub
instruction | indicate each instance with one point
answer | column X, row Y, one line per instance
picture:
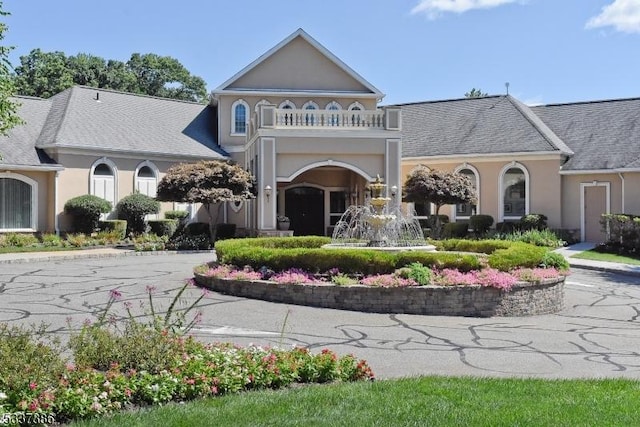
column 225, row 231
column 417, row 272
column 623, row 232
column 487, row 246
column 439, row 260
column 134, row 208
column 555, row 260
column 569, row 237
column 20, row 240
column 480, row 224
column 455, row 229
column 179, row 215
column 86, row 211
column 186, row 242
column 197, row 228
column 544, row 237
column 163, row 227
column 506, row 227
column 533, row 221
column 51, row 240
column 117, row 226
column 517, row 255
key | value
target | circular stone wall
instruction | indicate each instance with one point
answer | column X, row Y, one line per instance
column 524, row 299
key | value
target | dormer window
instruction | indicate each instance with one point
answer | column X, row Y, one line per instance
column 239, row 120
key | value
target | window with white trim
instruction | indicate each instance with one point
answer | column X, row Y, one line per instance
column 310, row 118
column 18, row 205
column 287, row 105
column 239, row 117
column 514, row 182
column 147, row 179
column 103, row 181
column 259, row 103
column 465, row 210
column 356, row 118
column 334, row 118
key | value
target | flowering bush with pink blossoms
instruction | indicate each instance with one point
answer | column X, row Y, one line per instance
column 387, row 281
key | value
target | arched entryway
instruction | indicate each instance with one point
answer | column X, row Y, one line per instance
column 305, row 208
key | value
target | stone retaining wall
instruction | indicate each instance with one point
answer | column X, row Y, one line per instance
column 524, row 299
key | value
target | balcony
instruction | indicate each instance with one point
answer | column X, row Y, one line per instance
column 270, row 117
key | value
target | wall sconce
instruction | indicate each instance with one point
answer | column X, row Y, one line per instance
column 267, row 192
column 394, row 191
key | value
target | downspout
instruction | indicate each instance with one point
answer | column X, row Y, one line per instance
column 622, row 180
column 56, row 226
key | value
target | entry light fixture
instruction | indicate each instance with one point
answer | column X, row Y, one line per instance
column 394, row 191
column 267, row 192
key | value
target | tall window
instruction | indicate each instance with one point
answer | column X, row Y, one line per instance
column 310, row 118
column 146, row 179
column 17, row 202
column 515, row 189
column 465, row 210
column 103, row 180
column 356, row 116
column 239, row 118
column 334, row 118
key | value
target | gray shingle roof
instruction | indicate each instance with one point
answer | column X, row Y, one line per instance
column 488, row 125
column 603, row 134
column 18, row 149
column 97, row 119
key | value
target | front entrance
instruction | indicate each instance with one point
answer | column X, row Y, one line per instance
column 305, row 208
column 595, row 204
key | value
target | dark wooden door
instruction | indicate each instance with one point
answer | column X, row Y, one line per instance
column 305, row 208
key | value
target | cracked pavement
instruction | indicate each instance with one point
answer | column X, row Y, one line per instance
column 597, row 334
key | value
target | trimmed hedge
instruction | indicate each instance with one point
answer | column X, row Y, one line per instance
column 479, row 246
column 455, row 229
column 133, row 208
column 517, row 255
column 163, row 227
column 86, row 211
column 179, row 215
column 118, row 225
column 480, row 224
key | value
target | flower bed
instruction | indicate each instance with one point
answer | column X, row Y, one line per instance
column 481, row 293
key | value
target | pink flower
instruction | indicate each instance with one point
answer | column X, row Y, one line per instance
column 33, row 385
column 115, row 294
column 33, row 405
column 150, row 289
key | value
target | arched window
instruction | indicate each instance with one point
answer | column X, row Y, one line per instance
column 259, row 103
column 514, row 191
column 103, row 180
column 465, row 210
column 334, row 118
column 18, row 202
column 146, row 179
column 239, row 119
column 356, row 117
column 310, row 118
column 287, row 105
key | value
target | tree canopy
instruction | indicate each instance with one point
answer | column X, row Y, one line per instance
column 8, row 108
column 475, row 93
column 44, row 74
column 209, row 182
column 441, row 188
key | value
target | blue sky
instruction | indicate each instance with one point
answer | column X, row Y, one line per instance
column 549, row 51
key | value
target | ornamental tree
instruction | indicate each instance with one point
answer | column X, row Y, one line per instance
column 210, row 182
column 424, row 185
column 8, row 107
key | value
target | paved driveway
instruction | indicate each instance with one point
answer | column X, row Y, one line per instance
column 597, row 335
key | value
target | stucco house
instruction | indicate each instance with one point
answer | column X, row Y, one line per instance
column 313, row 132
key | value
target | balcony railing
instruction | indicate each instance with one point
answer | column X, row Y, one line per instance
column 269, row 117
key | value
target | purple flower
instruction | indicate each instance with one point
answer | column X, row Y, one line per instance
column 115, row 294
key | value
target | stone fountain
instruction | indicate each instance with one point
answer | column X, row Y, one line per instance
column 378, row 225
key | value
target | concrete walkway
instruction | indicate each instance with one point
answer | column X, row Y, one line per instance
column 613, row 267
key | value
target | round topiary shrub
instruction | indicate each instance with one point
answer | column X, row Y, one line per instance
column 86, row 211
column 533, row 221
column 480, row 224
column 133, row 208
column 163, row 227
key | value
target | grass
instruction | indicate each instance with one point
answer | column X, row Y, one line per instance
column 433, row 401
column 602, row 256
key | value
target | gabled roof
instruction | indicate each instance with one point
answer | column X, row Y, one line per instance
column 475, row 126
column 18, row 149
column 98, row 119
column 603, row 134
column 300, row 33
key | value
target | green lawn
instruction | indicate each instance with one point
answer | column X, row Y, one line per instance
column 427, row 401
column 601, row 256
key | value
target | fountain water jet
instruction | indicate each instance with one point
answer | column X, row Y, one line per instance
column 376, row 225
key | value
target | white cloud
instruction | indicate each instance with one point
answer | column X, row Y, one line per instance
column 623, row 15
column 433, row 8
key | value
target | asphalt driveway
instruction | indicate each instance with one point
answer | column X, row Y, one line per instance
column 596, row 335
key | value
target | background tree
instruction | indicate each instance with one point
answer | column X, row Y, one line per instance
column 44, row 74
column 8, row 108
column 475, row 93
column 440, row 188
column 210, row 182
